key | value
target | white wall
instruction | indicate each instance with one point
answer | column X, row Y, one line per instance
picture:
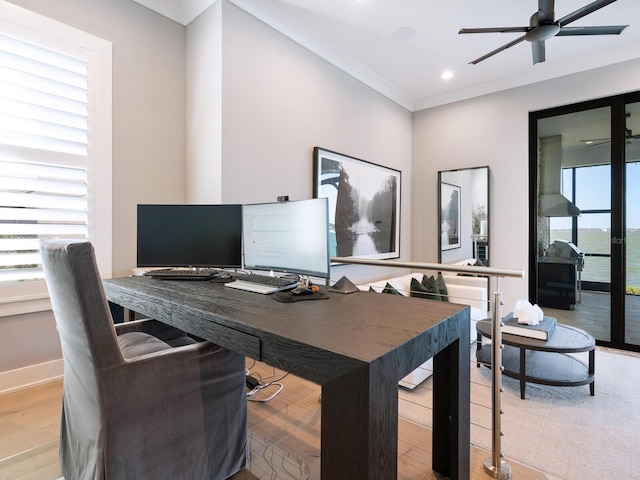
column 204, row 107
column 493, row 130
column 279, row 101
column 148, row 140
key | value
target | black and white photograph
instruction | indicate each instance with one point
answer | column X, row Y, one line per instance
column 364, row 205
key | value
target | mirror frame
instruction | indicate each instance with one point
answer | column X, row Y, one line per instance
column 447, row 177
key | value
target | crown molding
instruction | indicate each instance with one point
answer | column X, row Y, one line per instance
column 268, row 13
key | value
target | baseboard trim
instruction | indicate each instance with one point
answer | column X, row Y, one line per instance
column 21, row 378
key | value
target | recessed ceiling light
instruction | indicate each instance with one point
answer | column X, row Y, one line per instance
column 404, row 33
column 446, row 75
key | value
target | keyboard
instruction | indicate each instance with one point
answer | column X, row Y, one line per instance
column 264, row 284
column 182, row 273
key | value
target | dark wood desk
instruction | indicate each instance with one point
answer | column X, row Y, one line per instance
column 356, row 346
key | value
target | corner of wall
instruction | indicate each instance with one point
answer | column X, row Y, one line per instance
column 204, row 107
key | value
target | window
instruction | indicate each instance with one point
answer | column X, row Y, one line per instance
column 55, row 148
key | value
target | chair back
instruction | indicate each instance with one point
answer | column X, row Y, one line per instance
column 83, row 320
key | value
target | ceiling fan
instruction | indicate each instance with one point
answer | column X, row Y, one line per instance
column 628, row 137
column 542, row 26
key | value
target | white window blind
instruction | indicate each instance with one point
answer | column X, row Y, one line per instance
column 43, row 153
column 55, row 148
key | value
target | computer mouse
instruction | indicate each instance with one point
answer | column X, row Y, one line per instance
column 224, row 275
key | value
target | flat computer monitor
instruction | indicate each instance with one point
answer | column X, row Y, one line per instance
column 189, row 236
column 291, row 237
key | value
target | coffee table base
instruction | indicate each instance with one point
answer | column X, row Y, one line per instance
column 544, row 368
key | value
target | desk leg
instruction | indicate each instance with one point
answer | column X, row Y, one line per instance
column 450, row 437
column 117, row 312
column 359, row 429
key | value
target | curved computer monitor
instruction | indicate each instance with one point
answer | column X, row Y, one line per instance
column 289, row 237
column 189, row 236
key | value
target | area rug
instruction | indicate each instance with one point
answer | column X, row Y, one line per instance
column 561, row 431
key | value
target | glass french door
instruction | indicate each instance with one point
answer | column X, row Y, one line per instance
column 631, row 242
column 599, row 173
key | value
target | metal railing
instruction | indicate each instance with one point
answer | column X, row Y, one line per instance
column 494, row 466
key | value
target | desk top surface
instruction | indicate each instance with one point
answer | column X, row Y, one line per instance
column 363, row 326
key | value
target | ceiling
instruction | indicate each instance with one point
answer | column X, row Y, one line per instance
column 401, row 47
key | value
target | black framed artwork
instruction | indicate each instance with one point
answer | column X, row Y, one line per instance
column 364, row 204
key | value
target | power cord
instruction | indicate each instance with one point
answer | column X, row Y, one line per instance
column 256, row 386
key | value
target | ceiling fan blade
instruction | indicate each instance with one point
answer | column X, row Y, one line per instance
column 497, row 50
column 495, row 30
column 599, row 30
column 546, row 10
column 538, row 51
column 583, row 11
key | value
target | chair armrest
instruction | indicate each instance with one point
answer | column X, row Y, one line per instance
column 138, row 380
column 156, row 328
column 194, row 389
column 178, row 354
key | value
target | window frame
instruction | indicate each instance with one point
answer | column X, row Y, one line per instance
column 32, row 296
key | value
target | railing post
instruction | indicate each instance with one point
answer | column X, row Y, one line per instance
column 494, row 466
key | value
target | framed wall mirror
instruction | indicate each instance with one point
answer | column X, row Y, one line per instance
column 463, row 215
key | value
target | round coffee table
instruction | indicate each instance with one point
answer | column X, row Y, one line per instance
column 543, row 362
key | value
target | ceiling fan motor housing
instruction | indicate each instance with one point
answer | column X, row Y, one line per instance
column 542, row 32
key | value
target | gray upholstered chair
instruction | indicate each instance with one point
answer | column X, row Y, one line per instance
column 134, row 405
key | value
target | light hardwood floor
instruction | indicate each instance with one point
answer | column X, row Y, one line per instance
column 29, row 425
